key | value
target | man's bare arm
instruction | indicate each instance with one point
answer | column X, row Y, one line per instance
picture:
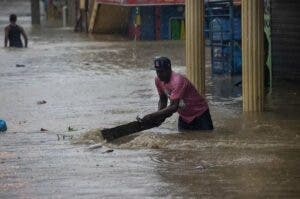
column 161, row 115
column 25, row 37
column 6, row 30
column 163, row 101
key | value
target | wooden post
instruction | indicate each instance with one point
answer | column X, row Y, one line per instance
column 195, row 43
column 93, row 16
column 71, row 21
column 253, row 55
column 82, row 4
column 35, row 12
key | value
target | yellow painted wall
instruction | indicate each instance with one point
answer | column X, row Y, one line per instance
column 111, row 19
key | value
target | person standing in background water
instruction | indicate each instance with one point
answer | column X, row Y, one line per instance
column 13, row 34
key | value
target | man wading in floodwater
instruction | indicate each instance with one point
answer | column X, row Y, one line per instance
column 184, row 99
column 13, row 34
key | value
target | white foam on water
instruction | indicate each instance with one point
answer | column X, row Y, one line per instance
column 90, row 137
column 148, row 141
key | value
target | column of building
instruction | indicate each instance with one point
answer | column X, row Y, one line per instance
column 195, row 43
column 253, row 55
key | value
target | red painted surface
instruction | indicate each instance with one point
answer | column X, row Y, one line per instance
column 154, row 1
column 141, row 2
column 149, row 2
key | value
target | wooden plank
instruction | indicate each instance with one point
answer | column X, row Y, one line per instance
column 93, row 17
column 129, row 128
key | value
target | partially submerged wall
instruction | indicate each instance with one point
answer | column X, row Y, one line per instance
column 111, row 19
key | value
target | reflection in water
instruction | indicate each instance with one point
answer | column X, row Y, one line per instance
column 93, row 83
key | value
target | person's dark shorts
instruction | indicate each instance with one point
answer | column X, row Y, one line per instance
column 202, row 122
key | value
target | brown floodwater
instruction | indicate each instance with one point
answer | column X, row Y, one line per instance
column 92, row 82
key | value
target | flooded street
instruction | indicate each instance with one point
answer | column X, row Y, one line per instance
column 93, row 82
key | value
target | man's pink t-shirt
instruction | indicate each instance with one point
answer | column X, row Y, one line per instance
column 191, row 105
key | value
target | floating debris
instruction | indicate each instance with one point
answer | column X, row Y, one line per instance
column 203, row 165
column 63, row 137
column 42, row 129
column 95, row 146
column 22, row 122
column 71, row 129
column 20, row 65
column 108, row 151
column 41, row 102
column 200, row 167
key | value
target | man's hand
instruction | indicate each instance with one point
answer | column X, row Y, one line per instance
column 160, row 116
column 148, row 118
column 152, row 119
